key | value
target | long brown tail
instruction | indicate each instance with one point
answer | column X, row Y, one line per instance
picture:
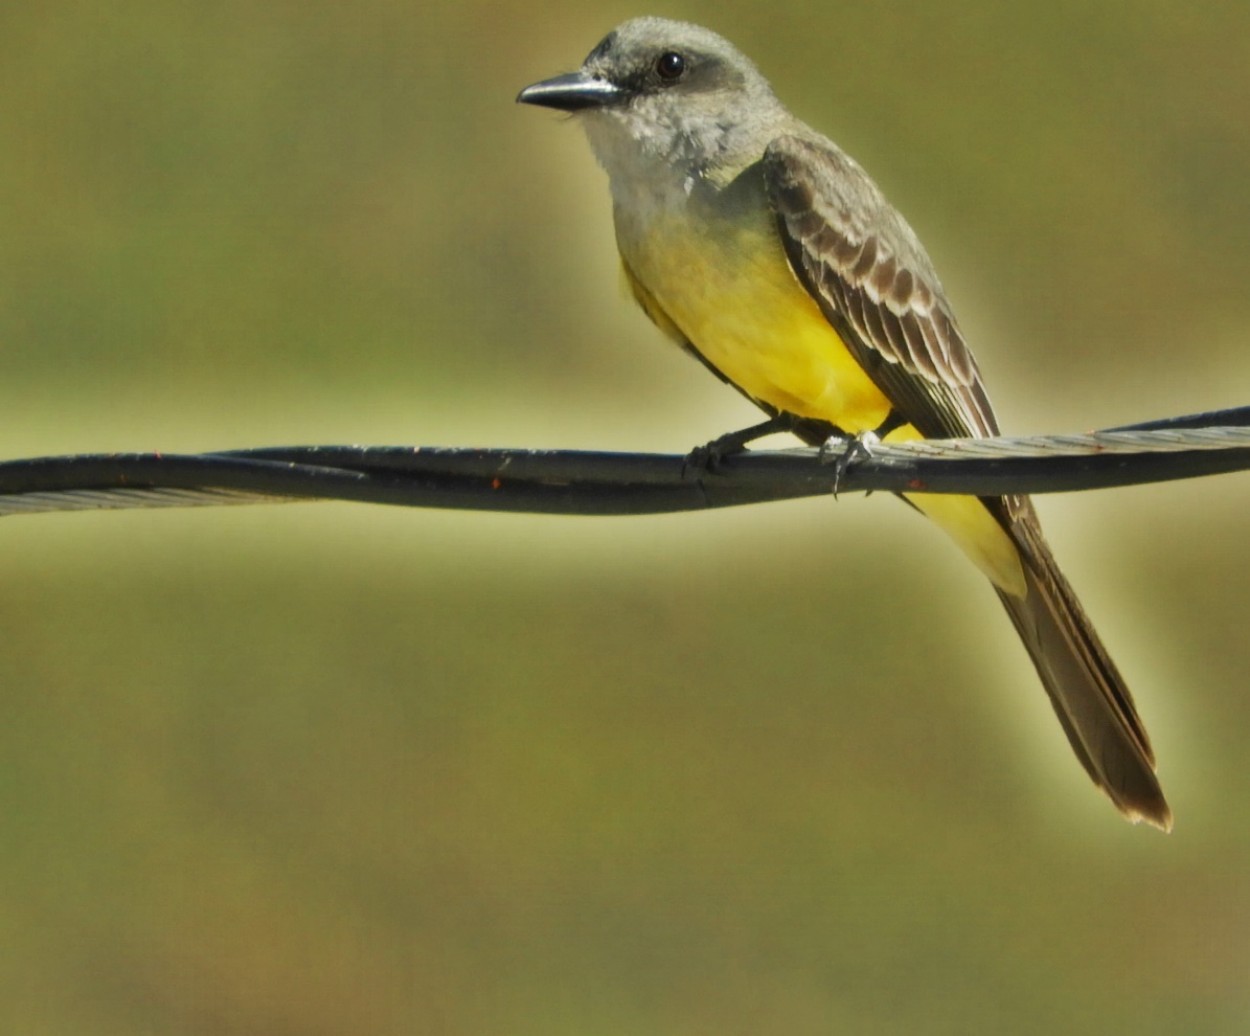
column 1085, row 688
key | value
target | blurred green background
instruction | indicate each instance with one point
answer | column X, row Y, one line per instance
column 330, row 769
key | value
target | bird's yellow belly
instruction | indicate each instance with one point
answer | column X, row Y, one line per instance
column 736, row 300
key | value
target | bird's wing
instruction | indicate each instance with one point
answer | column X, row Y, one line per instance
column 863, row 264
column 872, row 279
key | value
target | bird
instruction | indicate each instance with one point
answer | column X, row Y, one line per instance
column 763, row 249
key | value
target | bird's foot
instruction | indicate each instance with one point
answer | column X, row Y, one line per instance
column 844, row 450
column 707, row 458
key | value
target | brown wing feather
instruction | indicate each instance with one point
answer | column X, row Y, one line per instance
column 871, row 277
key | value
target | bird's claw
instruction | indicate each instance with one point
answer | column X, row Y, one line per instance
column 842, row 451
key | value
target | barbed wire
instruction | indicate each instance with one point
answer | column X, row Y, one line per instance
column 589, row 482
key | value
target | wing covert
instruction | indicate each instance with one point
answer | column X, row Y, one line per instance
column 870, row 275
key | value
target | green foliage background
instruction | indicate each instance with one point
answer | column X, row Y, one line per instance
column 333, row 769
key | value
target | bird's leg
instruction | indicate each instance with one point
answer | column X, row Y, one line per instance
column 842, row 450
column 708, row 456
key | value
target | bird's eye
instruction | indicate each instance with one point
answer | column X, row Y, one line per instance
column 670, row 65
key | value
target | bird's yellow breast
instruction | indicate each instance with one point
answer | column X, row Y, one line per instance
column 731, row 293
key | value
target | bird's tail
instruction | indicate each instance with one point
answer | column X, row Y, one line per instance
column 1085, row 688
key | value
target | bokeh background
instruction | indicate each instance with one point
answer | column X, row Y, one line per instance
column 328, row 769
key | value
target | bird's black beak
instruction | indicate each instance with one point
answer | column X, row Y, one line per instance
column 573, row 92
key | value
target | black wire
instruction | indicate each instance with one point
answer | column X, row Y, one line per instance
column 586, row 482
column 1236, row 417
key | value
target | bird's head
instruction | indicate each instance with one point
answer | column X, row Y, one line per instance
column 661, row 91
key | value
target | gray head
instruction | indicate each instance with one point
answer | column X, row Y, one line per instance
column 670, row 92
